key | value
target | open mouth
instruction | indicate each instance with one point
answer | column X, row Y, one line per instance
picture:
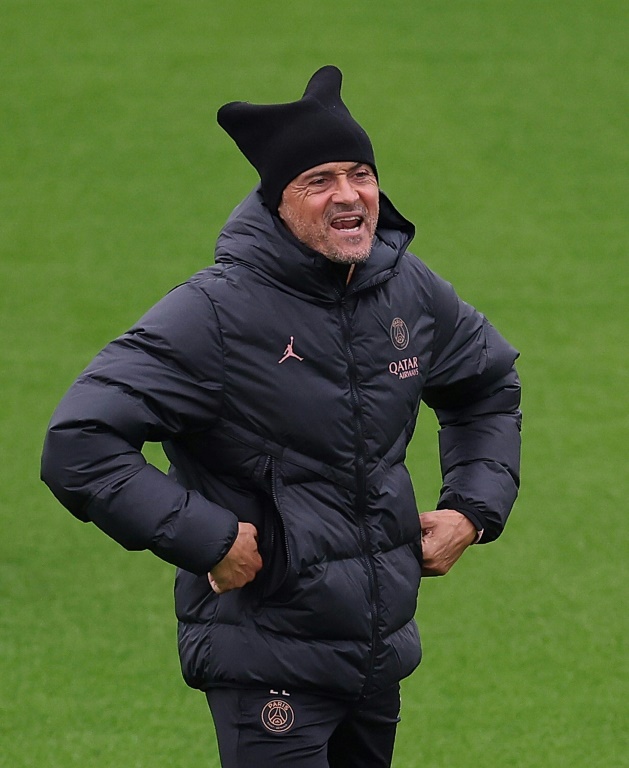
column 347, row 222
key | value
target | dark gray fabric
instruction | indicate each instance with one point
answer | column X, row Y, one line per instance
column 310, row 450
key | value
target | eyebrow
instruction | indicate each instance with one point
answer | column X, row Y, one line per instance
column 328, row 172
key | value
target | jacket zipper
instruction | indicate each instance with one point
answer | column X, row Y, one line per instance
column 361, row 484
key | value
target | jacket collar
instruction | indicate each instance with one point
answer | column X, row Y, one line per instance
column 256, row 239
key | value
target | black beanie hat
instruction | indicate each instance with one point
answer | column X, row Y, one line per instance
column 283, row 140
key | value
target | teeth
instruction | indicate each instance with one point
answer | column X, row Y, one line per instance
column 342, row 221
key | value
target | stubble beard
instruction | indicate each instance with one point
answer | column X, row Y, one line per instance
column 354, row 257
column 319, row 238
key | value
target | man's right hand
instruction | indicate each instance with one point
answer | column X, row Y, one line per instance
column 240, row 564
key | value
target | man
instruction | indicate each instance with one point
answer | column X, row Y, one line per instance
column 284, row 384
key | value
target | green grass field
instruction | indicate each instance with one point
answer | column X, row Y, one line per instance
column 500, row 128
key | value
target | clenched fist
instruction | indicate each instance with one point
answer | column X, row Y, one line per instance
column 446, row 534
column 240, row 564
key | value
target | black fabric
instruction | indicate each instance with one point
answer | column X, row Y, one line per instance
column 310, row 450
column 283, row 140
column 274, row 728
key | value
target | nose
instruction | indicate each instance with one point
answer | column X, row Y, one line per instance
column 344, row 191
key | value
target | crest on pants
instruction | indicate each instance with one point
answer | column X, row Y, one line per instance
column 278, row 716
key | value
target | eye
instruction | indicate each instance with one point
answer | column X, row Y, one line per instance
column 363, row 174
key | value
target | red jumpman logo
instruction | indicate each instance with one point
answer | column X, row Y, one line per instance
column 288, row 352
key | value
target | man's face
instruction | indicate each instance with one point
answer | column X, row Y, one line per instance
column 333, row 209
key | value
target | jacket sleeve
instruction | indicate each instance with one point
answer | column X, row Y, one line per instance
column 159, row 380
column 475, row 391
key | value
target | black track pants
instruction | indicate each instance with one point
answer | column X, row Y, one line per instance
column 280, row 729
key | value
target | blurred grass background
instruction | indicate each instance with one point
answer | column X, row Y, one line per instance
column 500, row 129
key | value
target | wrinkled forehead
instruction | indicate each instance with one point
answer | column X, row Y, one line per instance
column 331, row 169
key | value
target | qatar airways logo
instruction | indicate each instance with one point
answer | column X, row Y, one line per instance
column 404, row 368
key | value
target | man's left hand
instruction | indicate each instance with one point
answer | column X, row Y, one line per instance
column 446, row 534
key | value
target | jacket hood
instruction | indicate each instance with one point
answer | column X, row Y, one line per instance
column 257, row 239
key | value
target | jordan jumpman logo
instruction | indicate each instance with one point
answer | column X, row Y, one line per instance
column 288, row 352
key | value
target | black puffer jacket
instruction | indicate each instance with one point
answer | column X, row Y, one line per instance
column 286, row 399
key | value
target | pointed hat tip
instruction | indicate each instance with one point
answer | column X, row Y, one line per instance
column 325, row 79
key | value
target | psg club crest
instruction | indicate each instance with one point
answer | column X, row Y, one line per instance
column 399, row 333
column 278, row 716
